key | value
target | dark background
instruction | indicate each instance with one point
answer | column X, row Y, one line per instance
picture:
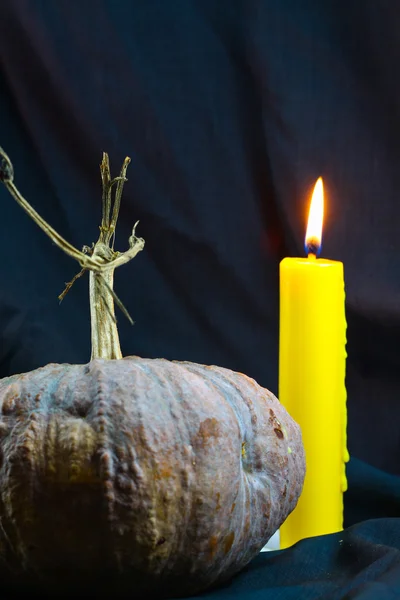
column 230, row 110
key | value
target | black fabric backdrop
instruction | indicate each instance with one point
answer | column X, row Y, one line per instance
column 230, row 110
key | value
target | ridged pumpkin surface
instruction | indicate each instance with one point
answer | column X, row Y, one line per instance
column 136, row 476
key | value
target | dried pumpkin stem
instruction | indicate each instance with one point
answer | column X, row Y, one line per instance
column 100, row 260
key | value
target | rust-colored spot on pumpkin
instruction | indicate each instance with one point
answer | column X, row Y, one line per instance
column 209, row 428
column 218, row 507
column 165, row 472
column 213, row 544
column 233, row 507
column 284, row 491
column 228, row 542
column 9, row 404
column 279, row 433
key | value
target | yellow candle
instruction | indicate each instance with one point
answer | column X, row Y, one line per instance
column 312, row 362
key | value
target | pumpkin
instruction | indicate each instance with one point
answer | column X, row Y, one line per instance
column 130, row 476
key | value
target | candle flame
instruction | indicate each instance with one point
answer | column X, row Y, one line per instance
column 315, row 219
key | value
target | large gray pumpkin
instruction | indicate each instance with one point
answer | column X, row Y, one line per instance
column 136, row 477
column 142, row 475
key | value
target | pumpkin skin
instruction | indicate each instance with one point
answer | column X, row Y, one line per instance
column 140, row 477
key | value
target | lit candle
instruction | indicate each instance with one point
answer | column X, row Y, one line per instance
column 312, row 364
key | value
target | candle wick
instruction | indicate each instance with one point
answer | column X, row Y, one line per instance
column 312, row 256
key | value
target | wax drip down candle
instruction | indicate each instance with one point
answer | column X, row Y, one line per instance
column 312, row 365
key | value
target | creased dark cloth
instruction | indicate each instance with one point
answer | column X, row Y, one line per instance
column 230, row 110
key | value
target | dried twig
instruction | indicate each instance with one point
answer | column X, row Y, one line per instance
column 100, row 260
